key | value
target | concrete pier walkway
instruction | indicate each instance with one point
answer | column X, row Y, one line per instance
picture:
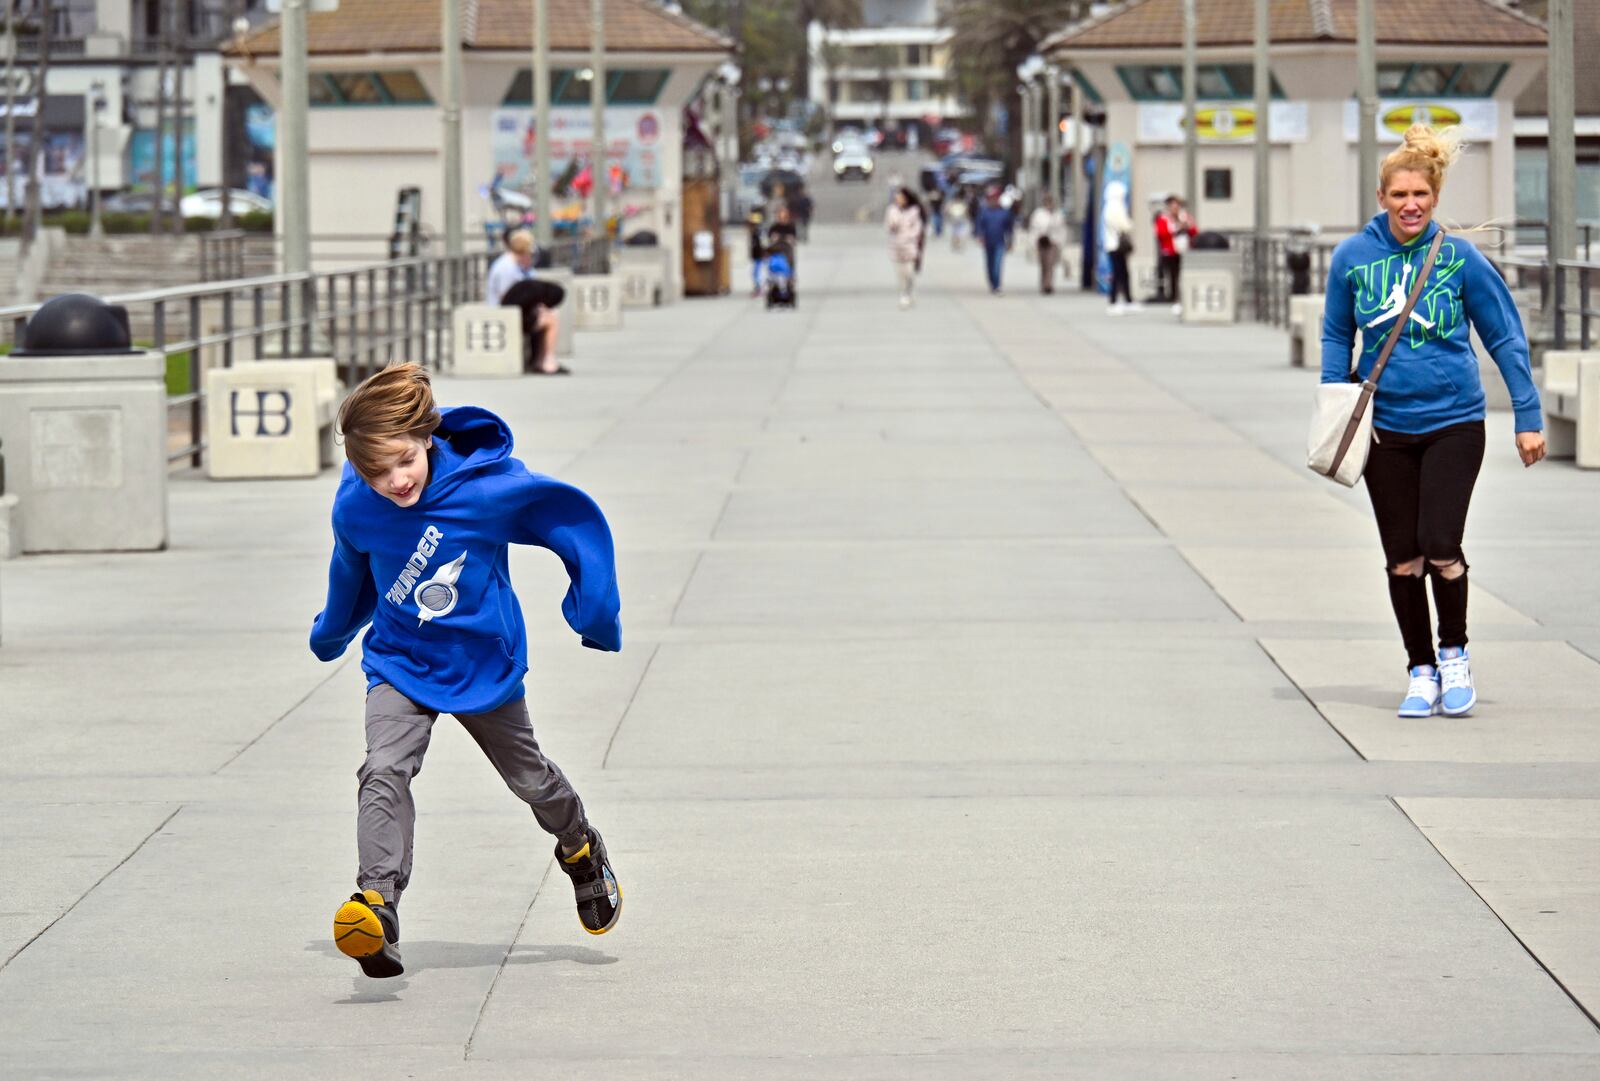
column 1001, row 698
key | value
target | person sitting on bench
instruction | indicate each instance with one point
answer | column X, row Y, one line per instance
column 511, row 283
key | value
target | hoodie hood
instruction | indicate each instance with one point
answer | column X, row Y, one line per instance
column 468, row 442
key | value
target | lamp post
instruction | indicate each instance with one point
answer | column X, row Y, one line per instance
column 97, row 103
column 1052, row 133
column 1263, row 137
column 543, row 226
column 294, row 189
column 728, row 135
column 450, row 118
column 600, row 166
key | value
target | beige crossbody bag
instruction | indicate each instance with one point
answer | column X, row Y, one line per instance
column 1341, row 419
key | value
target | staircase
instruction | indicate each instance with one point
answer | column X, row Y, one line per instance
column 134, row 263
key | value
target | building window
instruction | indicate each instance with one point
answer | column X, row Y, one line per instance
column 636, row 86
column 341, row 88
column 916, row 89
column 1219, row 184
column 1164, row 82
column 1439, row 80
column 570, row 86
column 404, row 88
column 1088, row 89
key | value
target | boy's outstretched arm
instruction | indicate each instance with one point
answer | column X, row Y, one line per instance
column 352, row 598
column 563, row 519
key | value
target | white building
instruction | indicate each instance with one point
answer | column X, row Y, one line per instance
column 375, row 123
column 901, row 49
column 1460, row 62
column 110, row 48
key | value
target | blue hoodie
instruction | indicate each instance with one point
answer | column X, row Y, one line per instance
column 433, row 579
column 1431, row 380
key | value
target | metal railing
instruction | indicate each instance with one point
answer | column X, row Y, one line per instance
column 363, row 317
column 1575, row 284
column 229, row 254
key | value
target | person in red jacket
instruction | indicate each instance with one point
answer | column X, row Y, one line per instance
column 1174, row 229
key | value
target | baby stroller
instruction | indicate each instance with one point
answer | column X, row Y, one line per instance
column 780, row 281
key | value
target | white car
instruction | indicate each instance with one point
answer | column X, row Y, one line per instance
column 853, row 160
column 207, row 203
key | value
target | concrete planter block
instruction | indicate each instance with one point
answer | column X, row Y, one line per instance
column 486, row 340
column 1305, row 326
column 1571, row 399
column 270, row 418
column 644, row 277
column 596, row 301
column 1210, row 296
column 565, row 337
column 85, row 441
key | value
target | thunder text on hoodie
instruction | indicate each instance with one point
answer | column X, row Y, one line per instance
column 433, row 578
column 1431, row 380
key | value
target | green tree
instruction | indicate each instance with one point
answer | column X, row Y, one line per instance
column 771, row 39
column 990, row 38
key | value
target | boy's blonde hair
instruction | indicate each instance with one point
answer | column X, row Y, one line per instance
column 1423, row 150
column 396, row 403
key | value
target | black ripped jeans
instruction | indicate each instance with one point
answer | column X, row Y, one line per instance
column 1421, row 486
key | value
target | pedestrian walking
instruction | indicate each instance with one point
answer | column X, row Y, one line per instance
column 427, row 505
column 936, row 210
column 905, row 225
column 756, row 232
column 1428, row 408
column 994, row 228
column 956, row 211
column 1048, row 228
column 511, row 282
column 1118, row 235
column 1175, row 228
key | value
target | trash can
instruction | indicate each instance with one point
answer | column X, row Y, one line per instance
column 83, row 418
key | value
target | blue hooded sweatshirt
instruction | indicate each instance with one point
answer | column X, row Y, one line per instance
column 1431, row 380
column 433, row 578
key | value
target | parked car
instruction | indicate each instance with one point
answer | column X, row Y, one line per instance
column 852, row 161
column 129, row 202
column 207, row 203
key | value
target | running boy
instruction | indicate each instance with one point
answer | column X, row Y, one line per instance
column 426, row 507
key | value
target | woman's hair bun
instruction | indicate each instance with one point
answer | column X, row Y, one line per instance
column 1444, row 146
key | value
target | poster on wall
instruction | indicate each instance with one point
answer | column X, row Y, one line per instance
column 1475, row 119
column 1222, row 122
column 633, row 144
column 142, row 159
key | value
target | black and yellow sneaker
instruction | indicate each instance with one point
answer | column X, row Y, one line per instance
column 367, row 929
column 594, row 884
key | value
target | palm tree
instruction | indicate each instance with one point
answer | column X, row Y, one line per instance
column 990, row 38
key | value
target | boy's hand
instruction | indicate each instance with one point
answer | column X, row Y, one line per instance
column 1530, row 447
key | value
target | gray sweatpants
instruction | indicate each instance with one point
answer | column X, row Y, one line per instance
column 397, row 737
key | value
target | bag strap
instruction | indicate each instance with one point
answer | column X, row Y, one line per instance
column 1370, row 384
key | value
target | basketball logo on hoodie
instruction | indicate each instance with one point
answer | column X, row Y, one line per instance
column 437, row 596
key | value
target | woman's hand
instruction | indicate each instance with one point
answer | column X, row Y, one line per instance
column 1530, row 446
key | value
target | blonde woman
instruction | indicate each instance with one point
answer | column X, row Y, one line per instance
column 1428, row 411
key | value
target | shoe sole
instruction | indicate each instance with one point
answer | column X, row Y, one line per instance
column 1416, row 713
column 358, row 933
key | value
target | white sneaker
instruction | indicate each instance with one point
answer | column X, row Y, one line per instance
column 1115, row 309
column 905, row 302
column 1457, row 694
column 1177, row 309
column 1422, row 697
